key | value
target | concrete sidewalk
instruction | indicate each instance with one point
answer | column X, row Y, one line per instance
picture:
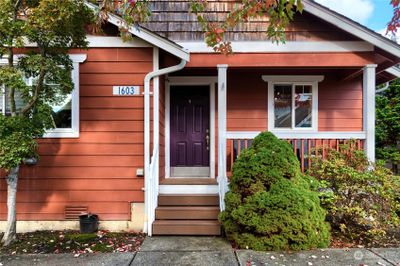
column 209, row 251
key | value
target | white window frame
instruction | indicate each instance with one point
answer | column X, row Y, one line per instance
column 293, row 81
column 72, row 132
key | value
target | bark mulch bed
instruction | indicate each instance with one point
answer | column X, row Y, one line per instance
column 391, row 240
column 45, row 242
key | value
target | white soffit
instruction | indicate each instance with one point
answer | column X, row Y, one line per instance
column 394, row 71
column 288, row 47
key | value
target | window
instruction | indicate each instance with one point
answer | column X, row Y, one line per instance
column 293, row 102
column 65, row 112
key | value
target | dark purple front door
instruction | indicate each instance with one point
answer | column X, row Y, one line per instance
column 190, row 126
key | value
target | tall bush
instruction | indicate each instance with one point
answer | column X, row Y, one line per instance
column 363, row 202
column 270, row 205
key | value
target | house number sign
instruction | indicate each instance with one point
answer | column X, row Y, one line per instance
column 126, row 90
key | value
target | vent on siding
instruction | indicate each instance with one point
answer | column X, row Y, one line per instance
column 73, row 212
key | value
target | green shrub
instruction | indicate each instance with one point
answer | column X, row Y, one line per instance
column 363, row 202
column 271, row 205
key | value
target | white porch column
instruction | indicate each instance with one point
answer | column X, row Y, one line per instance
column 369, row 86
column 222, row 87
column 156, row 114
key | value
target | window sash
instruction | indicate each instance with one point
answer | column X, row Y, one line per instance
column 293, row 127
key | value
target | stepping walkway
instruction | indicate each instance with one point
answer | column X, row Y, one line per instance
column 210, row 251
column 207, row 251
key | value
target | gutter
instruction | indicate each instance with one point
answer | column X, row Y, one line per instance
column 147, row 154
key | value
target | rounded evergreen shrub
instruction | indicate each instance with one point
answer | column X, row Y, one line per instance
column 271, row 204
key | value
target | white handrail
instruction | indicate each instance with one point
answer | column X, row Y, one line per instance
column 222, row 179
column 152, row 195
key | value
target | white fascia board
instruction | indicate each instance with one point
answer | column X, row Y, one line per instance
column 298, row 135
column 351, row 27
column 288, row 47
column 106, row 41
column 147, row 36
column 394, row 71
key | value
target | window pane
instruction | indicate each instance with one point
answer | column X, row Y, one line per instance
column 283, row 106
column 62, row 114
column 62, row 106
column 303, row 106
column 4, row 97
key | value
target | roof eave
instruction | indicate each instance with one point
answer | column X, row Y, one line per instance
column 148, row 36
column 351, row 27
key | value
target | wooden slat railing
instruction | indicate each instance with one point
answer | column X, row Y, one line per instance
column 305, row 149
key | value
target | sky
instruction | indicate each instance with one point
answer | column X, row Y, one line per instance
column 374, row 14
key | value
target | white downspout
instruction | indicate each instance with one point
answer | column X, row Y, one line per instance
column 147, row 79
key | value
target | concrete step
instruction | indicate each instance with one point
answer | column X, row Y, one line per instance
column 186, row 227
column 187, row 213
column 188, row 200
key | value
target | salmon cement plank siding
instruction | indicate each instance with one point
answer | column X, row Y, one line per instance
column 339, row 102
column 98, row 169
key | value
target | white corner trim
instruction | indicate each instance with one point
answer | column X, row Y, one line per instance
column 288, row 47
column 148, row 36
column 351, row 27
column 188, row 189
column 299, row 135
column 106, row 41
column 292, row 78
column 188, row 80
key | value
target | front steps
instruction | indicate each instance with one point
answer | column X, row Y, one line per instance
column 180, row 214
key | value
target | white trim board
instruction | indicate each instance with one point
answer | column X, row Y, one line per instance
column 288, row 47
column 107, row 42
column 147, row 36
column 182, row 81
column 292, row 78
column 351, row 27
column 299, row 135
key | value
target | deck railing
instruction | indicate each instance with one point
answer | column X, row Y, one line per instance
column 305, row 149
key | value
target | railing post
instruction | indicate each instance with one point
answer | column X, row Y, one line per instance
column 369, row 85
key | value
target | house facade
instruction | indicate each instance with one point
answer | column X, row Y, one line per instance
column 148, row 137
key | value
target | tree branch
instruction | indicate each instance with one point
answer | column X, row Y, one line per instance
column 36, row 93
